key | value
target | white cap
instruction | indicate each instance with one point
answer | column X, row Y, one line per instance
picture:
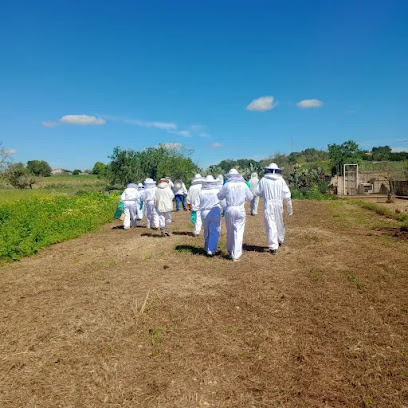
column 233, row 172
column 149, row 181
column 140, row 185
column 272, row 166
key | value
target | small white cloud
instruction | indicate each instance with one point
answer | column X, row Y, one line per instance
column 170, row 145
column 204, row 135
column 183, row 133
column 309, row 103
column 10, row 151
column 83, row 120
column 158, row 125
column 262, row 104
column 216, row 145
column 48, row 124
column 197, row 127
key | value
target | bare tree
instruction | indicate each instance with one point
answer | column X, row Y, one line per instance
column 6, row 156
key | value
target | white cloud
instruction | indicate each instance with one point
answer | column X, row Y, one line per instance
column 262, row 104
column 83, row 120
column 183, row 133
column 158, row 125
column 10, row 151
column 216, row 145
column 309, row 103
column 204, row 135
column 171, row 145
column 48, row 124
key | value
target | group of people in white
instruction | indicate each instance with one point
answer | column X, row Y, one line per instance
column 209, row 199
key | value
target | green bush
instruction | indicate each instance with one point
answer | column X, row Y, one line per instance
column 30, row 224
column 313, row 193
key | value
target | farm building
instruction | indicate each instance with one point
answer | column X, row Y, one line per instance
column 56, row 172
column 380, row 180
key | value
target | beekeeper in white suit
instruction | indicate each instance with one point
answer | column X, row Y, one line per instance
column 235, row 192
column 140, row 209
column 274, row 191
column 148, row 194
column 193, row 201
column 210, row 209
column 131, row 200
column 253, row 182
column 163, row 200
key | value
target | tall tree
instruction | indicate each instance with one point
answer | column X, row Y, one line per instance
column 346, row 153
column 39, row 168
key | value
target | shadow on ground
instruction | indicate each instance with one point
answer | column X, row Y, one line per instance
column 254, row 248
column 191, row 249
column 189, row 234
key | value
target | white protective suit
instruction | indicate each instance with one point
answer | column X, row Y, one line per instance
column 131, row 200
column 148, row 195
column 210, row 209
column 235, row 192
column 193, row 199
column 140, row 208
column 253, row 182
column 163, row 201
column 274, row 191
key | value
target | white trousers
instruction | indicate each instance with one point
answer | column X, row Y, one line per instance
column 198, row 224
column 212, row 228
column 235, row 222
column 254, row 205
column 152, row 218
column 274, row 226
column 164, row 220
column 130, row 214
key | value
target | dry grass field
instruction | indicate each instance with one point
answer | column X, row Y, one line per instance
column 128, row 319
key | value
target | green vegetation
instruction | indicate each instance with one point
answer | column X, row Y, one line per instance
column 381, row 210
column 154, row 162
column 19, row 176
column 30, row 224
column 39, row 168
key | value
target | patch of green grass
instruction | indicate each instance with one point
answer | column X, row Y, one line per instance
column 380, row 210
column 356, row 281
column 157, row 335
column 30, row 224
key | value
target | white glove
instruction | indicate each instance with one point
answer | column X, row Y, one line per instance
column 289, row 207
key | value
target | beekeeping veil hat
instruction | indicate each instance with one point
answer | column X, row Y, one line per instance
column 272, row 168
column 197, row 179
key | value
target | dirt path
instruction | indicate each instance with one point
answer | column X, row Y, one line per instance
column 323, row 324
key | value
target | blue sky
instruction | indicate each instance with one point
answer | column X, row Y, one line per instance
column 187, row 72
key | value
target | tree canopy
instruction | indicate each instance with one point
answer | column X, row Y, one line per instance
column 39, row 168
column 154, row 162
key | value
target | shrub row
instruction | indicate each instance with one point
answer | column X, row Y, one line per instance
column 30, row 224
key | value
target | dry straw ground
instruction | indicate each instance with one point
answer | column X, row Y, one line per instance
column 323, row 324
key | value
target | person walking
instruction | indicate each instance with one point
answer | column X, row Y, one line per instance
column 210, row 209
column 163, row 202
column 148, row 194
column 274, row 191
column 193, row 202
column 131, row 201
column 235, row 192
column 253, row 182
column 179, row 189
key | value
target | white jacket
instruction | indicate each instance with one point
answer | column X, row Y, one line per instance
column 163, row 199
column 179, row 188
column 273, row 187
column 208, row 199
column 193, row 196
column 148, row 194
column 235, row 194
column 131, row 194
column 253, row 182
